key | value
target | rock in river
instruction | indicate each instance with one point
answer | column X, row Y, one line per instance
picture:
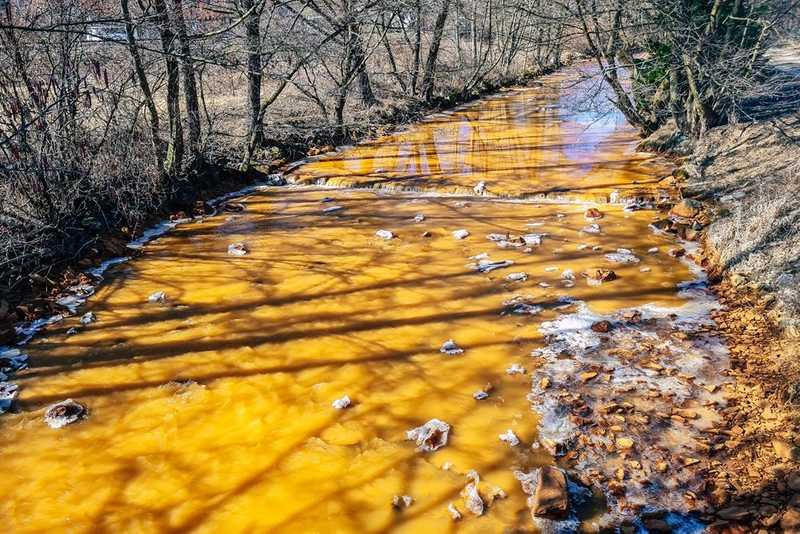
column 685, row 209
column 431, row 436
column 550, row 498
column 64, row 413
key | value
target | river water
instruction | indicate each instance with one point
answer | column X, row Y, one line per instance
column 212, row 410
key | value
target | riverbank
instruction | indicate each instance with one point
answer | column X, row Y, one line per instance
column 749, row 175
column 745, row 177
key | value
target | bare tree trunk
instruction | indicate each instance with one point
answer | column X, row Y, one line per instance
column 676, row 104
column 433, row 54
column 417, row 46
column 360, row 64
column 174, row 156
column 390, row 55
column 255, row 131
column 474, row 32
column 189, row 83
column 457, row 33
column 144, row 86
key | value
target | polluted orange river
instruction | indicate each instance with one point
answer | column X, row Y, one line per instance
column 258, row 370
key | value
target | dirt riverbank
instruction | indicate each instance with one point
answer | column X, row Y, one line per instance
column 746, row 177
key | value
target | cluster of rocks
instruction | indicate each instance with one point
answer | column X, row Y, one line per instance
column 754, row 483
column 629, row 403
column 686, row 219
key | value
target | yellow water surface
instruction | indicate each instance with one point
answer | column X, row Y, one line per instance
column 559, row 139
column 211, row 412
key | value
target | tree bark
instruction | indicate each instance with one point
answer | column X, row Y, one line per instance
column 174, row 155
column 417, row 46
column 390, row 55
column 144, row 87
column 189, row 83
column 359, row 62
column 255, row 131
column 433, row 54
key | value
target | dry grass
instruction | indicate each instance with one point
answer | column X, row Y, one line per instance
column 753, row 173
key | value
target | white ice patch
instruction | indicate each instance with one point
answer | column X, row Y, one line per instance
column 157, row 297
column 509, row 437
column 152, row 233
column 516, row 369
column 591, row 229
column 623, row 256
column 8, row 394
column 652, row 371
column 101, row 269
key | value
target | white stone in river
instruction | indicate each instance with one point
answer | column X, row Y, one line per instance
column 64, row 413
column 384, row 234
column 472, row 499
column 461, row 234
column 623, row 256
column 516, row 369
column 158, row 296
column 509, row 437
column 550, row 269
column 517, row 277
column 88, row 317
column 454, row 513
column 533, row 239
column 237, row 249
column 450, row 348
column 653, row 250
column 419, row 217
column 485, row 266
column 342, row 403
column 402, row 501
column 568, row 274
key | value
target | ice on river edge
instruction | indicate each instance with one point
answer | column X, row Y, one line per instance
column 653, row 359
column 74, row 297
